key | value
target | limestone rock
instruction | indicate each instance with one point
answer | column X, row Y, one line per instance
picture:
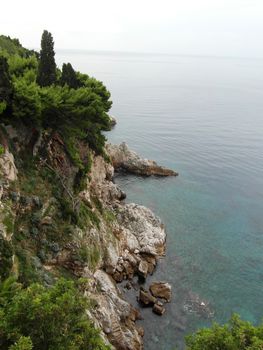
column 144, row 227
column 158, row 308
column 146, row 298
column 7, row 166
column 143, row 269
column 161, row 290
column 116, row 316
column 125, row 159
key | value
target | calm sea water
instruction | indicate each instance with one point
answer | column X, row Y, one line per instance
column 204, row 118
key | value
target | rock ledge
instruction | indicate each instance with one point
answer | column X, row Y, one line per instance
column 123, row 159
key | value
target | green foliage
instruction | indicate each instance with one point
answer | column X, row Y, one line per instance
column 85, row 216
column 26, row 269
column 10, row 46
column 53, row 319
column 6, row 88
column 19, row 66
column 69, row 76
column 2, row 149
column 3, row 106
column 8, row 221
column 77, row 109
column 97, row 87
column 235, row 335
column 24, row 343
column 47, row 65
column 26, row 103
column 8, row 289
column 89, row 254
column 6, row 254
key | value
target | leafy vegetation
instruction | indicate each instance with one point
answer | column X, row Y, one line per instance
column 34, row 92
column 6, row 254
column 69, row 109
column 235, row 335
column 45, row 318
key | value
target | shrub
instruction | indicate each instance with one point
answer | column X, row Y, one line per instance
column 235, row 335
column 6, row 254
column 53, row 319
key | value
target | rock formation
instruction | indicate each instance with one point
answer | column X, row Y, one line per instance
column 121, row 240
column 123, row 159
column 161, row 290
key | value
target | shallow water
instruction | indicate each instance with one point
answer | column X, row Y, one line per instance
column 202, row 116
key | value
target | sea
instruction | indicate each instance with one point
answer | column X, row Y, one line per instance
column 203, row 117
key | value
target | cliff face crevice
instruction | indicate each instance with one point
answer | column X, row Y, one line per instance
column 53, row 229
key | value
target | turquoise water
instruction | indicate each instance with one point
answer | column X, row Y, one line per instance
column 204, row 118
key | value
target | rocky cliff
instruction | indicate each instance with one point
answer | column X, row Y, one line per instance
column 105, row 241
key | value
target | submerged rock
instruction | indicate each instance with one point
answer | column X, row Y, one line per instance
column 161, row 290
column 124, row 159
column 158, row 308
column 146, row 298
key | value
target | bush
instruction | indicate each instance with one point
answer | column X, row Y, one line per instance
column 6, row 255
column 26, row 103
column 53, row 319
column 235, row 335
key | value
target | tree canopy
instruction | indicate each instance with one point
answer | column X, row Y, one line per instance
column 235, row 335
column 46, row 318
column 69, row 76
column 6, row 88
column 38, row 94
column 47, row 65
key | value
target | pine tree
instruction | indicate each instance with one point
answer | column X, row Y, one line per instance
column 47, row 65
column 69, row 76
column 6, row 88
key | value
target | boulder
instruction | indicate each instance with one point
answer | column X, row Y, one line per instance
column 7, row 166
column 161, row 290
column 143, row 269
column 158, row 308
column 146, row 298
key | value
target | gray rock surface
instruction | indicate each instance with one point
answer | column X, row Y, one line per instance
column 124, row 159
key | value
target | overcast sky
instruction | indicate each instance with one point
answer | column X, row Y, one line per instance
column 214, row 27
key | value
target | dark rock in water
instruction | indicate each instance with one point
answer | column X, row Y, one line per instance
column 161, row 290
column 143, row 269
column 146, row 298
column 158, row 308
column 140, row 331
column 124, row 159
column 128, row 286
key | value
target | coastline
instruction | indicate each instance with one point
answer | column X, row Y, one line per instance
column 129, row 238
column 140, row 241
